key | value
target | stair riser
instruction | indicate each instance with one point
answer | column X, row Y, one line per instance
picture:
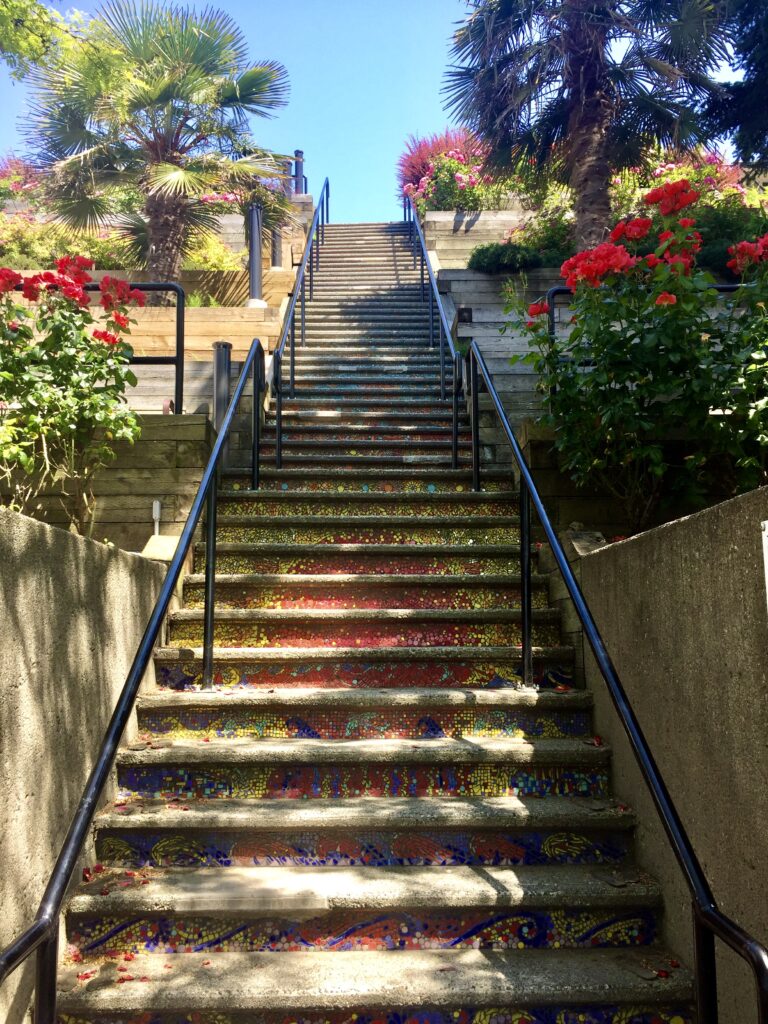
column 366, row 929
column 359, row 674
column 287, row 534
column 460, row 1014
column 362, row 441
column 259, row 506
column 357, row 483
column 350, row 456
column 328, row 781
column 384, row 723
column 346, row 562
column 358, row 596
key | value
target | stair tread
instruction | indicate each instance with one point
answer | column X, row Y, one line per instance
column 454, row 550
column 360, row 813
column 481, row 615
column 248, row 982
column 424, row 522
column 263, row 890
column 288, row 497
column 508, row 697
column 238, row 750
column 341, row 580
column 362, row 653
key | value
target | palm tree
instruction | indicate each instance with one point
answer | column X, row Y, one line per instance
column 153, row 100
column 579, row 88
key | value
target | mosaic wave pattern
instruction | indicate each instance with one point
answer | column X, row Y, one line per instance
column 346, row 931
column 360, row 596
column 332, row 782
column 356, row 634
column 496, row 1015
column 187, row 675
column 489, row 848
column 333, row 724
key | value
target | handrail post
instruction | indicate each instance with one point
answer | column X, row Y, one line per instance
column 210, row 582
column 311, row 275
column 421, row 276
column 303, row 325
column 432, row 320
column 525, row 583
column 442, row 363
column 258, row 382
column 222, row 371
column 178, row 390
column 455, row 423
column 46, row 965
column 705, row 972
column 298, row 172
column 475, row 406
column 277, row 364
column 292, row 381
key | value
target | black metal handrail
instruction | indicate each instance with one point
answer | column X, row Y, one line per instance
column 42, row 935
column 419, row 246
column 709, row 921
column 176, row 360
column 310, row 258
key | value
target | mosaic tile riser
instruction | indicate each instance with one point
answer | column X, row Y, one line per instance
column 374, row 486
column 362, row 596
column 495, row 1015
column 419, row 509
column 363, row 562
column 344, row 931
column 358, row 674
column 354, row 634
column 330, row 781
column 488, row 848
column 281, row 534
column 383, row 724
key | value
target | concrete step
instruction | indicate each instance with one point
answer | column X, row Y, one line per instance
column 353, row 714
column 366, row 436
column 398, row 480
column 454, row 529
column 365, row 667
column 310, row 769
column 360, row 627
column 442, row 983
column 365, row 504
column 288, row 909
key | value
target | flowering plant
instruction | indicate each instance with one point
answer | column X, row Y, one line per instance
column 652, row 353
column 455, row 180
column 63, row 376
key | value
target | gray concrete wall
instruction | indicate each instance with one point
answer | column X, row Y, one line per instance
column 72, row 613
column 683, row 611
column 453, row 234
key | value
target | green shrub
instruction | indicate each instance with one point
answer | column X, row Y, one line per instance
column 503, row 257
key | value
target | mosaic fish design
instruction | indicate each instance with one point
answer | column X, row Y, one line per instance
column 441, row 848
column 330, row 782
column 366, row 930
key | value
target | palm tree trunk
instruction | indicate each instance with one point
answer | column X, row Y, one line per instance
column 166, row 230
column 585, row 77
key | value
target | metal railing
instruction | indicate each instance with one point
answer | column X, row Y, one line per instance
column 445, row 335
column 176, row 360
column 709, row 922
column 308, row 267
column 42, row 936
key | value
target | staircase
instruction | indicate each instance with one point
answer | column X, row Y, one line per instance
column 367, row 818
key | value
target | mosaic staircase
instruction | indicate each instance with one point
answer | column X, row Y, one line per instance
column 367, row 818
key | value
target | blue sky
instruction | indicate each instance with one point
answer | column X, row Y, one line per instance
column 363, row 77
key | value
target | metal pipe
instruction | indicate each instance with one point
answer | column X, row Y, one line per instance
column 292, row 356
column 222, row 374
column 46, row 964
column 298, row 172
column 210, row 583
column 705, row 973
column 178, row 390
column 303, row 326
column 432, row 320
column 277, row 362
column 258, row 383
column 311, row 275
column 455, row 417
column 525, row 583
column 255, row 221
column 475, row 406
column 277, row 247
column 442, row 366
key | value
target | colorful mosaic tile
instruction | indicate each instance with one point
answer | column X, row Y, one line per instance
column 447, row 564
column 358, row 595
column 187, row 675
column 387, row 723
column 362, row 929
column 335, row 781
column 486, row 848
column 494, row 1015
column 262, row 506
column 318, row 450
column 354, row 483
column 378, row 634
column 281, row 533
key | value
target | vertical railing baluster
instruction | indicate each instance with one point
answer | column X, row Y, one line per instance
column 311, row 273
column 432, row 319
column 525, row 583
column 475, row 407
column 421, row 276
column 210, row 581
column 303, row 319
column 292, row 357
column 46, row 965
column 277, row 364
column 443, row 343
column 258, row 378
column 455, row 411
column 705, row 968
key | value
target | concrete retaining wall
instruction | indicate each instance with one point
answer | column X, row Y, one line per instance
column 683, row 612
column 453, row 234
column 72, row 613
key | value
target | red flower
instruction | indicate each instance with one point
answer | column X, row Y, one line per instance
column 634, row 230
column 8, row 279
column 653, row 261
column 666, row 235
column 31, row 289
column 120, row 319
column 538, row 309
column 107, row 337
column 592, row 265
column 686, row 222
column 666, row 299
column 746, row 254
column 13, row 325
column 672, row 197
